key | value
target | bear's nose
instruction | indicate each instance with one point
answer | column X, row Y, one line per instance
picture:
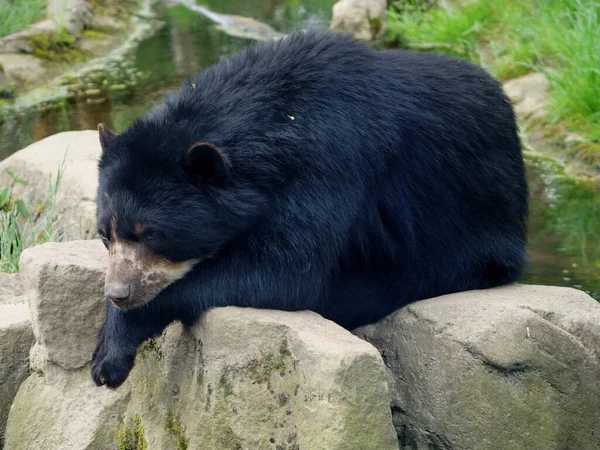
column 117, row 292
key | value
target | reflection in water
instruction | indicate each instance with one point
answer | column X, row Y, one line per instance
column 188, row 43
column 234, row 25
column 564, row 243
column 564, row 236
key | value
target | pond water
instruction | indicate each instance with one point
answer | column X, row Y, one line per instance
column 564, row 243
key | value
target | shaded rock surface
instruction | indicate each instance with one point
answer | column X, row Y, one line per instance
column 11, row 289
column 364, row 18
column 512, row 368
column 21, row 68
column 75, row 206
column 16, row 338
column 241, row 378
column 65, row 284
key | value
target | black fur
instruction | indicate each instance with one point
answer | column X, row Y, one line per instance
column 358, row 181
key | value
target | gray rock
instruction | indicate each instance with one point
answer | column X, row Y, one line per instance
column 241, row 378
column 529, row 94
column 272, row 378
column 511, row 368
column 21, row 69
column 364, row 18
column 73, row 15
column 19, row 42
column 72, row 414
column 75, row 206
column 16, row 338
column 12, row 290
column 64, row 285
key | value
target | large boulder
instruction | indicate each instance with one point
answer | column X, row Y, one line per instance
column 16, row 338
column 364, row 18
column 240, row 379
column 75, row 204
column 512, row 368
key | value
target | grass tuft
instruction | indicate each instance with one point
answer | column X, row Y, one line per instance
column 560, row 38
column 16, row 15
column 17, row 228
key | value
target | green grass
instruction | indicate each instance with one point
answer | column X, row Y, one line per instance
column 16, row 15
column 11, row 241
column 560, row 38
column 17, row 228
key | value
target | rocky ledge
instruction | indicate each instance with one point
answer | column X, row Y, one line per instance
column 511, row 368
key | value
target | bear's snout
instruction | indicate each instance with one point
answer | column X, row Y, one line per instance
column 117, row 292
column 136, row 275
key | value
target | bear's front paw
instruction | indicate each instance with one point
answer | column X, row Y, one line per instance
column 111, row 365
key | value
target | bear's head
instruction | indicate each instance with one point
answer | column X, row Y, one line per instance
column 165, row 204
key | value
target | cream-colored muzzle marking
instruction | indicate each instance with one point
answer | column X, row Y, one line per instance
column 146, row 274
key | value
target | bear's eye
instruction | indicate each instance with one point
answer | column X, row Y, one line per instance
column 105, row 241
column 151, row 236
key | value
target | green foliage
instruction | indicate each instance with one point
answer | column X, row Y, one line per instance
column 6, row 201
column 11, row 241
column 16, row 15
column 17, row 228
column 576, row 80
column 49, row 231
column 132, row 438
column 451, row 32
column 560, row 38
column 11, row 238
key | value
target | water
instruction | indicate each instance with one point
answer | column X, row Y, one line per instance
column 186, row 44
column 564, row 230
column 564, row 243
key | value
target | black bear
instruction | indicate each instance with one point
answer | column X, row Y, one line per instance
column 313, row 172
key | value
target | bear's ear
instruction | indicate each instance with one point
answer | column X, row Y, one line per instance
column 206, row 162
column 107, row 137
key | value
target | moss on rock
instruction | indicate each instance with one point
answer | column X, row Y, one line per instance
column 55, row 46
column 133, row 438
column 174, row 427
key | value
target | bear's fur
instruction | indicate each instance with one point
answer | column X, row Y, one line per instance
column 309, row 173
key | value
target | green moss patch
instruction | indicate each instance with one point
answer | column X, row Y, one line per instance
column 133, row 438
column 174, row 427
column 56, row 46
